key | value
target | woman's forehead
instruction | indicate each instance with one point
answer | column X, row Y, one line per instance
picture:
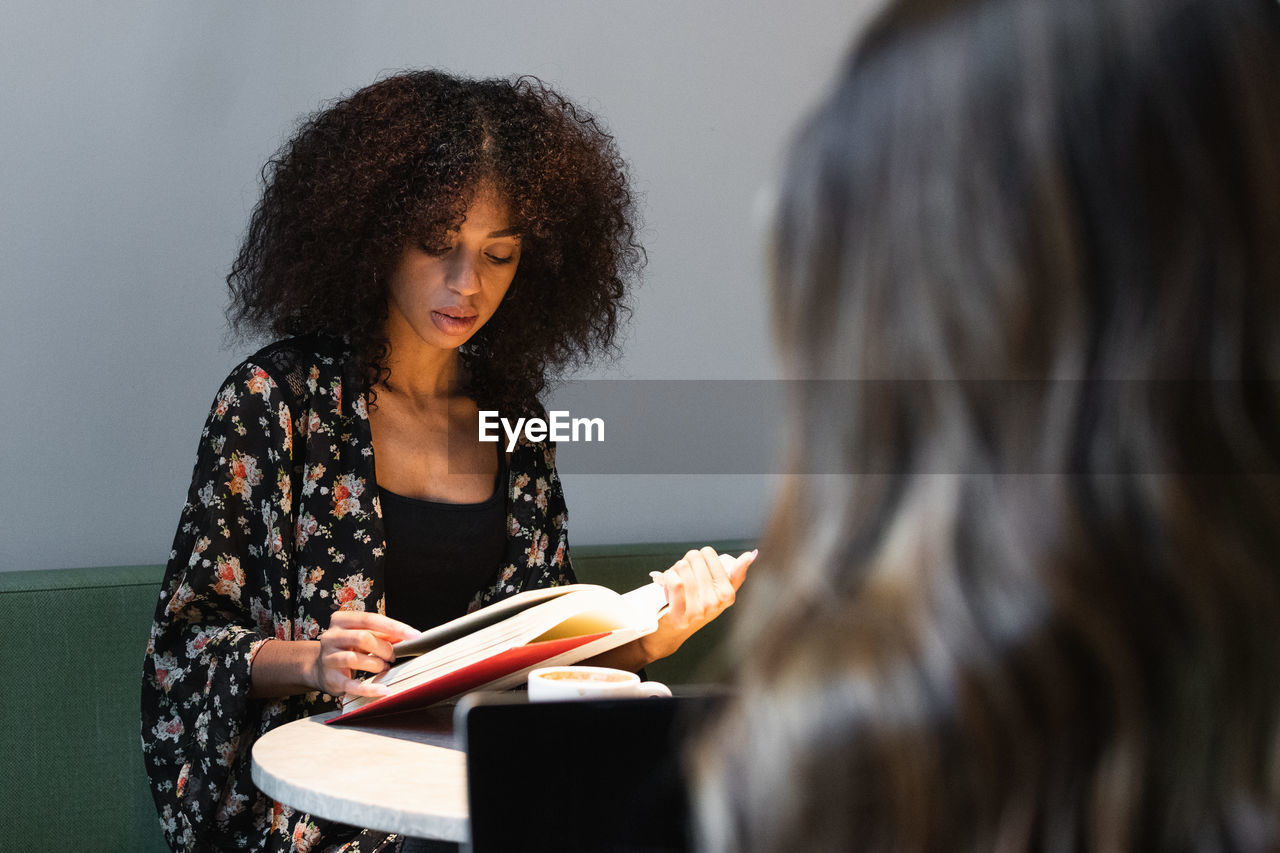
column 484, row 209
column 489, row 214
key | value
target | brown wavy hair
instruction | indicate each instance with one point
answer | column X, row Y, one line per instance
column 1033, row 246
column 400, row 160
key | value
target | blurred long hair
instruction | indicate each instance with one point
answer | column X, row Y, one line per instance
column 1027, row 286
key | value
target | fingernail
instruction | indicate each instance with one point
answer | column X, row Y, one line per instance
column 656, row 577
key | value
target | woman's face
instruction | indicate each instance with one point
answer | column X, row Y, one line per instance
column 444, row 294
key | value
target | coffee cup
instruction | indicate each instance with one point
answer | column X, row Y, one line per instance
column 557, row 683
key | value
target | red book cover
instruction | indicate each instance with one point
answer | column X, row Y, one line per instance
column 467, row 678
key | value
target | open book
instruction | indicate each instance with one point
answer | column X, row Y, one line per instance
column 497, row 646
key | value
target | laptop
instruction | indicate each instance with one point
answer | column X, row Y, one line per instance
column 584, row 775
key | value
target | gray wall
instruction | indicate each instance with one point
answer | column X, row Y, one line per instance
column 131, row 138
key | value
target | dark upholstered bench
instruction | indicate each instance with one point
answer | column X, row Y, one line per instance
column 71, row 774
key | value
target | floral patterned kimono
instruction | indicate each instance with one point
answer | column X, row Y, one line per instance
column 281, row 527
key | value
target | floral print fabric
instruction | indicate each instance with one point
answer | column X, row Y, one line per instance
column 281, row 527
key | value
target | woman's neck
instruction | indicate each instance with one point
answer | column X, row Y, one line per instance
column 421, row 373
column 423, row 380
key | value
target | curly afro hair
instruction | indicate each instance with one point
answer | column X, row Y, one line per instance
column 401, row 159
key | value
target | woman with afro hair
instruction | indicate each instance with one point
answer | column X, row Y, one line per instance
column 426, row 248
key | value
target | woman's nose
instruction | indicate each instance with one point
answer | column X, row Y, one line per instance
column 464, row 277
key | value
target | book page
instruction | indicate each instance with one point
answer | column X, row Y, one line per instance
column 637, row 609
column 648, row 599
column 546, row 617
column 523, row 627
column 470, row 623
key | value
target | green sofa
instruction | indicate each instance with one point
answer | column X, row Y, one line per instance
column 71, row 774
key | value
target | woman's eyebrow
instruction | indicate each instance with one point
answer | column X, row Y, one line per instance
column 506, row 232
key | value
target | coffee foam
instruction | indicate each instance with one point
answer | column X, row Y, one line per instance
column 570, row 675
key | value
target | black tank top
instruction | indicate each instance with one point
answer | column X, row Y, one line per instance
column 439, row 555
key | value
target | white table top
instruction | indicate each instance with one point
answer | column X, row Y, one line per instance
column 398, row 774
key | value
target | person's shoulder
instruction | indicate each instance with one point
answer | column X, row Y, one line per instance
column 292, row 367
column 299, row 363
column 299, row 353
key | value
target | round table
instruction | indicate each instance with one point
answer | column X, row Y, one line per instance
column 399, row 774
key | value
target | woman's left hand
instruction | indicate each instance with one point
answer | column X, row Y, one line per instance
column 701, row 586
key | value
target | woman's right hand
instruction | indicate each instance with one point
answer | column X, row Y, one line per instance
column 356, row 641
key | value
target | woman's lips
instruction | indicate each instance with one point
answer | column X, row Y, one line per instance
column 453, row 322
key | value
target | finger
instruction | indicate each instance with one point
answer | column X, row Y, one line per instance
column 660, row 579
column 737, row 566
column 705, row 569
column 721, row 585
column 384, row 626
column 371, row 643
column 375, row 623
column 717, row 582
column 345, row 661
column 367, row 642
column 677, row 601
column 360, row 687
column 695, row 577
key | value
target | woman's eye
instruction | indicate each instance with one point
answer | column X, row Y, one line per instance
column 432, row 250
column 499, row 259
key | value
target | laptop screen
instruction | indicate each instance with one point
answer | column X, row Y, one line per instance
column 601, row 775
